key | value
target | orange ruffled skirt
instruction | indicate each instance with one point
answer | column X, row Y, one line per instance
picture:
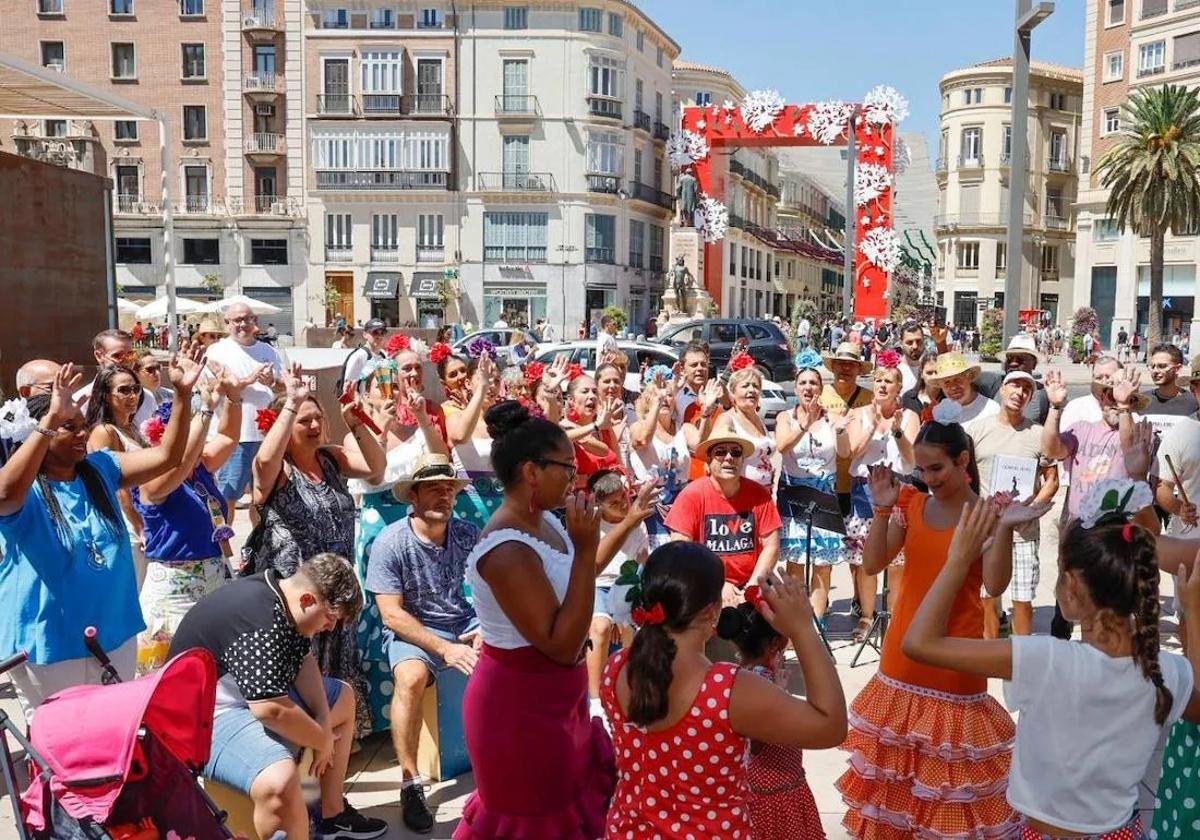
column 927, row 764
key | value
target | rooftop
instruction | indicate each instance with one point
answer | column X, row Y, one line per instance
column 1044, row 69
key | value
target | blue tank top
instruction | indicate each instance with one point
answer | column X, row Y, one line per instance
column 181, row 527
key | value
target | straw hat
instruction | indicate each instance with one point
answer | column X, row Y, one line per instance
column 430, row 467
column 954, row 364
column 1022, row 344
column 702, row 449
column 211, row 324
column 1139, row 403
column 848, row 351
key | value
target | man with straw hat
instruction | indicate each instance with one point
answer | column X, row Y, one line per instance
column 955, row 374
column 1179, row 467
column 416, row 573
column 210, row 330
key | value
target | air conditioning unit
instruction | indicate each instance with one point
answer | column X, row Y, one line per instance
column 264, row 110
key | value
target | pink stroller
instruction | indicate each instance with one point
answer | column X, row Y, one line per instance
column 119, row 761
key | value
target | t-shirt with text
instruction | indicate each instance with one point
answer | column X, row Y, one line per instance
column 732, row 528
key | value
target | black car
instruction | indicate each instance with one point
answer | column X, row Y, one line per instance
column 768, row 346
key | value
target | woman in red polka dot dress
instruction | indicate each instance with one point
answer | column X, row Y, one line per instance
column 682, row 725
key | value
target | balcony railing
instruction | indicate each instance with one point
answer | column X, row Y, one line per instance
column 736, row 221
column 1006, row 159
column 265, row 143
column 340, row 104
column 644, row 192
column 259, row 20
column 641, row 120
column 266, row 202
column 970, row 161
column 381, row 104
column 604, row 106
column 662, row 132
column 385, row 253
column 338, row 253
column 354, row 179
column 1055, row 221
column 1049, row 275
column 1187, row 62
column 600, row 255
column 516, row 182
column 1061, row 164
column 262, row 82
column 129, row 204
column 942, row 163
column 431, row 104
column 946, row 220
column 196, row 204
column 511, row 105
column 1143, row 72
column 600, row 183
column 431, row 254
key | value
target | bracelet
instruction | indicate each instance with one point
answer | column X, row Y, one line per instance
column 1058, row 406
column 885, row 512
column 290, row 408
column 232, row 401
column 206, row 413
column 49, row 433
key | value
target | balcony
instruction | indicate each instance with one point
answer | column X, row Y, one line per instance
column 643, row 192
column 382, row 105
column 385, row 179
column 942, row 165
column 970, row 163
column 525, row 182
column 339, row 253
column 266, row 144
column 427, row 105
column 431, row 254
column 513, row 106
column 196, row 204
column 385, row 253
column 736, row 221
column 259, row 25
column 1049, row 275
column 604, row 106
column 607, row 256
column 601, row 183
column 1143, row 72
column 337, row 105
column 263, row 86
column 641, row 120
column 1006, row 160
column 129, row 204
column 1059, row 164
column 1186, row 63
column 662, row 132
column 266, row 202
column 1054, row 221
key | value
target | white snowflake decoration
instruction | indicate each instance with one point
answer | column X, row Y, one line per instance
column 15, row 422
column 871, row 180
column 686, row 148
column 884, row 105
column 712, row 219
column 901, row 156
column 760, row 108
column 827, row 121
column 701, row 124
column 882, row 248
column 728, row 105
column 798, row 129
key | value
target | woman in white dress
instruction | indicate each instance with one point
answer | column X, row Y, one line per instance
column 659, row 452
column 743, row 420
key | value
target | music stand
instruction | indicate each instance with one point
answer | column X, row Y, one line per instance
column 879, row 625
column 814, row 506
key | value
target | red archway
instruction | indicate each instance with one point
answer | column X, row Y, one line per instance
column 763, row 119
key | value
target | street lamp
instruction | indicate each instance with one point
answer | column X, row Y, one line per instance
column 1027, row 18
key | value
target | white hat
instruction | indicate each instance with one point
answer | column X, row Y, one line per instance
column 1019, row 375
column 1022, row 344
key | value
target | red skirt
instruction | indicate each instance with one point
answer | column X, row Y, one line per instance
column 781, row 803
column 544, row 769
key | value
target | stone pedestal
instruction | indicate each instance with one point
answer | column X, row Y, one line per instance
column 686, row 243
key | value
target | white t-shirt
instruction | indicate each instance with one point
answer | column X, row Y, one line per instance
column 1085, row 409
column 1182, row 444
column 1086, row 730
column 241, row 361
column 605, row 343
column 637, row 542
column 908, row 376
column 977, row 409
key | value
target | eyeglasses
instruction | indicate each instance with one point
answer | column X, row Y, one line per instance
column 571, row 469
column 721, row 452
column 127, row 390
column 244, row 319
column 152, row 368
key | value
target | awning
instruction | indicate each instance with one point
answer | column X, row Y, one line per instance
column 426, row 284
column 381, row 285
column 28, row 91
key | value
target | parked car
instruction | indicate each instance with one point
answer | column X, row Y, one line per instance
column 768, row 346
column 583, row 353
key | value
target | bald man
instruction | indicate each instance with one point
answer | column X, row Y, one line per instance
column 36, row 377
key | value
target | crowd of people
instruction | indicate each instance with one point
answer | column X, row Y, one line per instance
column 619, row 573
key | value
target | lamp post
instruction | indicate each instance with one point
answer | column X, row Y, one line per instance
column 1028, row 17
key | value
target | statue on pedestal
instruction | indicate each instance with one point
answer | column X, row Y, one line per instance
column 686, row 196
column 681, row 281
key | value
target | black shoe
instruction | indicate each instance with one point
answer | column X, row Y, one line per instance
column 351, row 825
column 414, row 811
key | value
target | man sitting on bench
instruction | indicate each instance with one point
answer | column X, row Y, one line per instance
column 416, row 572
column 271, row 698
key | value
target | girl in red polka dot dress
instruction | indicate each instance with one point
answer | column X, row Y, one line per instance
column 781, row 803
column 682, row 726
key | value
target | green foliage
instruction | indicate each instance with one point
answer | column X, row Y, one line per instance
column 1084, row 321
column 212, row 283
column 991, row 334
column 619, row 315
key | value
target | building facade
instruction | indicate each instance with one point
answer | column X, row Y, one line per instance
column 973, row 173
column 1130, row 45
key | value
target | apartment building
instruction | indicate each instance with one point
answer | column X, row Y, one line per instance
column 809, row 263
column 566, row 195
column 217, row 69
column 1131, row 44
column 973, row 174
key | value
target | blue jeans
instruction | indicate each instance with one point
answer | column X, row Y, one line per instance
column 234, row 477
column 399, row 650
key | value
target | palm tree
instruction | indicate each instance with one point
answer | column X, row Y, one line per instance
column 1152, row 174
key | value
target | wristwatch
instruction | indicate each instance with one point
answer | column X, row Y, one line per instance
column 897, row 433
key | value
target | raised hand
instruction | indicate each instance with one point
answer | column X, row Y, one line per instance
column 555, row 373
column 785, row 604
column 711, row 394
column 583, row 522
column 485, row 370
column 415, row 402
column 1126, row 386
column 295, row 386
column 185, row 369
column 1139, row 450
column 65, row 382
column 882, row 484
column 975, row 528
column 1187, row 588
column 1013, row 513
column 1056, row 388
column 840, row 422
column 605, row 415
column 645, row 501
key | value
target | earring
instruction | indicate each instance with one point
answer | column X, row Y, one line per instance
column 532, row 500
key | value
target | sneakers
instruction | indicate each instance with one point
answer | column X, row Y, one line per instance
column 351, row 825
column 413, row 809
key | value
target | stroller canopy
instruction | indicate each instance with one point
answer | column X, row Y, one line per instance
column 88, row 734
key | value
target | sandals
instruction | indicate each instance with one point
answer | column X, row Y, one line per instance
column 862, row 628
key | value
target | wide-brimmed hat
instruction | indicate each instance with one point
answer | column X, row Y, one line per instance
column 1140, row 400
column 953, row 364
column 1022, row 344
column 848, row 351
column 209, row 324
column 431, row 467
column 705, row 446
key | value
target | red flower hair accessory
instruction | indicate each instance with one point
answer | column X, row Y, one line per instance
column 440, row 350
column 754, row 597
column 741, row 361
column 265, row 418
column 654, row 615
column 533, row 372
column 574, row 371
column 888, row 359
column 153, row 430
column 396, row 344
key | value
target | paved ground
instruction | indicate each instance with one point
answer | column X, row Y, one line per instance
column 375, row 778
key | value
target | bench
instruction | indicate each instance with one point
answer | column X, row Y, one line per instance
column 238, row 808
column 442, row 748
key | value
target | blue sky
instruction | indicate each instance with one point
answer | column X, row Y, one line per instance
column 810, row 50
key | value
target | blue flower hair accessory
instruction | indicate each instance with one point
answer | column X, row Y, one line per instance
column 479, row 346
column 654, row 371
column 809, row 359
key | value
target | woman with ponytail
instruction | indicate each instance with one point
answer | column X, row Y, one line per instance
column 683, row 725
column 1076, row 766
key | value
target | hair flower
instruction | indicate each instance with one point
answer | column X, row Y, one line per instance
column 1113, row 500
column 653, row 372
column 440, row 350
column 754, row 597
column 533, row 372
column 15, row 423
column 152, row 430
column 479, row 347
column 741, row 361
column 809, row 359
column 888, row 359
column 947, row 412
column 222, row 533
column 574, row 371
column 265, row 418
column 396, row 344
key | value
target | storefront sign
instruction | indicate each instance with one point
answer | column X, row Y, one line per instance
column 381, row 286
column 426, row 284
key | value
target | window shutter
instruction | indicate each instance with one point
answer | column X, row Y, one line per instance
column 1187, row 49
column 1153, row 7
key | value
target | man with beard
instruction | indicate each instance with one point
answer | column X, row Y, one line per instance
column 1180, row 446
column 697, row 402
column 912, row 349
column 1168, row 403
column 1021, row 355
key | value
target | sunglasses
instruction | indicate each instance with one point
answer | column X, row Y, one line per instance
column 127, row 390
column 152, row 368
column 722, row 452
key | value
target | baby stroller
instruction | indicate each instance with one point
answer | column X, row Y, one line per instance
column 119, row 761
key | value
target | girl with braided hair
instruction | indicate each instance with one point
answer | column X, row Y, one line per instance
column 1075, row 767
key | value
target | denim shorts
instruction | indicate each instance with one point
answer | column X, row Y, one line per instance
column 234, row 478
column 399, row 650
column 601, row 607
column 242, row 747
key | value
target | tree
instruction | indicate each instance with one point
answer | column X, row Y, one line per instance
column 1152, row 174
column 991, row 335
column 619, row 315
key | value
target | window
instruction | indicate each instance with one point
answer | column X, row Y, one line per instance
column 658, row 57
column 1058, row 151
column 1006, row 153
column 124, row 65
column 605, row 77
column 972, row 146
column 1116, row 12
column 591, row 20
column 195, row 189
column 656, row 248
column 745, row 261
column 514, row 237
column 1054, row 204
column 201, row 251
column 191, row 8
column 616, row 25
column 335, row 19
column 268, row 252
column 1105, row 230
column 382, row 72
column 600, row 238
column 383, row 19
column 972, row 96
column 637, row 243
column 415, row 149
column 129, row 187
column 1114, row 66
column 1058, row 101
column 120, row 7
column 430, row 237
column 1153, row 8
column 968, row 256
column 1112, row 120
column 54, row 55
column 193, row 61
column 385, row 232
column 125, row 130
column 658, row 105
column 516, row 17
column 703, row 98
column 195, row 123
column 732, row 261
column 639, row 94
column 1050, row 259
column 429, row 19
column 54, row 128
column 641, row 41
column 1186, row 52
column 605, row 152
column 1152, row 58
column 339, row 237
column 1008, row 96
column 49, row 7
column 1001, row 257
column 133, row 249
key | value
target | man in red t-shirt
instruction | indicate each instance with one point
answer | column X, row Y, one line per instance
column 736, row 519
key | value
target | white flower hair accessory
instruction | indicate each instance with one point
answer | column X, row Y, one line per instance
column 15, row 423
column 947, row 412
column 1113, row 500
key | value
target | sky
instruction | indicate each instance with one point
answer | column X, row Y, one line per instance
column 810, row 50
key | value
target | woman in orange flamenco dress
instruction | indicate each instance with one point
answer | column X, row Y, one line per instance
column 929, row 748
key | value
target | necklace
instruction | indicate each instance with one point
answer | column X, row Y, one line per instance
column 82, row 530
